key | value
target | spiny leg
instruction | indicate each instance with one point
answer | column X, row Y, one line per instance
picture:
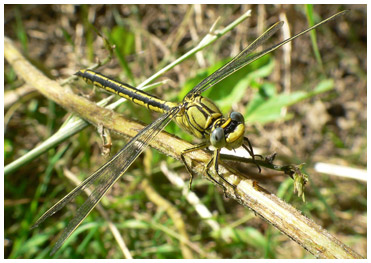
column 250, row 150
column 195, row 148
column 213, row 160
column 208, row 165
column 216, row 167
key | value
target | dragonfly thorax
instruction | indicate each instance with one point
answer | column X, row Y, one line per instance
column 203, row 119
column 198, row 116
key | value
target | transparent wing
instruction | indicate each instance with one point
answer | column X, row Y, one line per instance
column 107, row 175
column 245, row 57
column 239, row 61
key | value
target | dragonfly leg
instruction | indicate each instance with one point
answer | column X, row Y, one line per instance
column 207, row 168
column 213, row 160
column 216, row 167
column 195, row 148
column 250, row 150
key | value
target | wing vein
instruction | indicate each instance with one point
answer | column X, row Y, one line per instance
column 107, row 175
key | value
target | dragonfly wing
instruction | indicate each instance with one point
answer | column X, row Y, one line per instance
column 76, row 191
column 239, row 61
column 107, row 175
column 245, row 57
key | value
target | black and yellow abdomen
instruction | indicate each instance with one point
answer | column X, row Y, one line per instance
column 126, row 91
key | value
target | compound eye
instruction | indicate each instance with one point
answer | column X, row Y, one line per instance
column 217, row 138
column 236, row 116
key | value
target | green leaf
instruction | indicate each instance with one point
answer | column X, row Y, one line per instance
column 8, row 148
column 136, row 224
column 124, row 41
column 313, row 36
column 248, row 235
column 20, row 29
column 31, row 245
column 266, row 107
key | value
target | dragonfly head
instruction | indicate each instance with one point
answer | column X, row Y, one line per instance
column 229, row 132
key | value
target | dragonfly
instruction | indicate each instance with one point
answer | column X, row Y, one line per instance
column 196, row 114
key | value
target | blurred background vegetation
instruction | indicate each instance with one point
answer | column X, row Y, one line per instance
column 308, row 106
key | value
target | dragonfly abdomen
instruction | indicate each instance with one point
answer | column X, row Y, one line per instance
column 125, row 90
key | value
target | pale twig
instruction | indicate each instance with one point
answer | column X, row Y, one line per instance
column 191, row 197
column 341, row 171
